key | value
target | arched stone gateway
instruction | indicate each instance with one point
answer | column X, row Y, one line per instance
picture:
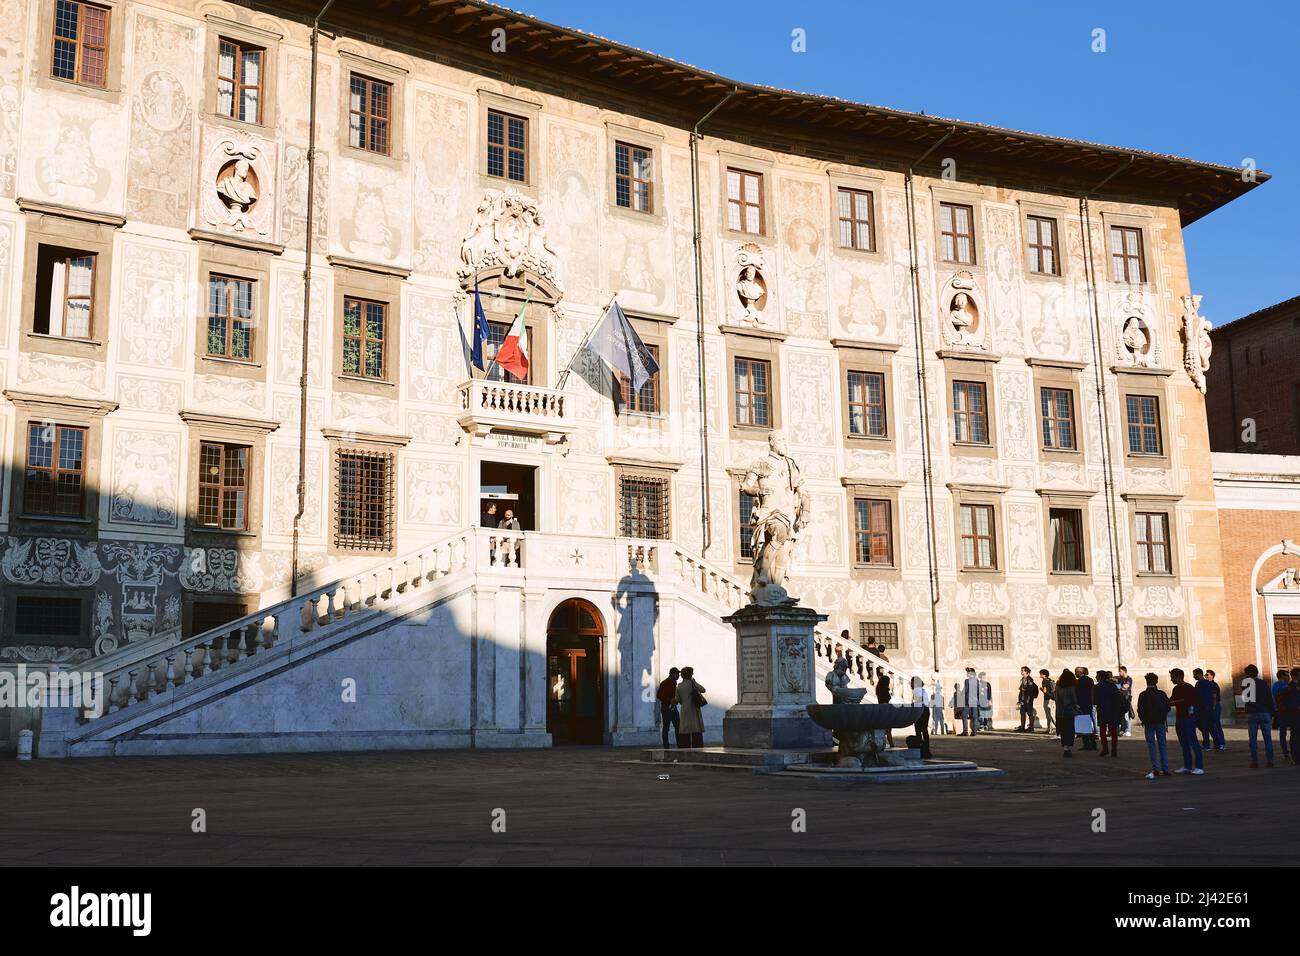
column 574, row 674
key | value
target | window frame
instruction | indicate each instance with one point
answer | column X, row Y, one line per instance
column 872, row 531
column 1146, row 547
column 1051, row 423
column 968, row 415
column 230, row 318
column 741, row 203
column 1035, row 246
column 506, row 149
column 357, row 543
column 1060, row 648
column 627, row 523
column 352, row 62
column 363, row 305
column 1124, row 231
column 1157, row 425
column 242, row 47
column 1080, row 542
column 78, row 44
column 632, row 179
column 866, row 405
column 968, row 633
column 954, row 205
column 268, row 41
column 222, row 488
column 11, row 636
column 752, row 392
column 69, row 254
column 992, row 537
column 853, row 193
column 367, row 115
column 244, row 264
column 55, row 471
column 206, row 428
column 74, row 231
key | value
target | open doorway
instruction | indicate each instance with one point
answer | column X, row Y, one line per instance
column 507, row 488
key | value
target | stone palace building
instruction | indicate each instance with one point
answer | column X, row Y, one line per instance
column 981, row 346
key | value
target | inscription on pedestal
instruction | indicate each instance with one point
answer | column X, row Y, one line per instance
column 755, row 670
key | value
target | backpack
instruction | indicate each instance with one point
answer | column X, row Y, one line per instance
column 1033, row 690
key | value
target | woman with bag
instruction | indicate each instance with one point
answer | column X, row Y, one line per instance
column 690, row 700
column 1067, row 708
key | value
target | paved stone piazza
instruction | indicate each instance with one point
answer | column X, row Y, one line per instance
column 593, row 806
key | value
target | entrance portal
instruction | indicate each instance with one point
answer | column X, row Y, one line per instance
column 574, row 675
column 511, row 488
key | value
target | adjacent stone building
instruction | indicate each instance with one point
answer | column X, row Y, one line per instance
column 1253, row 396
column 981, row 345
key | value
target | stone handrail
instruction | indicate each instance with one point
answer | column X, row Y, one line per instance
column 485, row 405
column 327, row 606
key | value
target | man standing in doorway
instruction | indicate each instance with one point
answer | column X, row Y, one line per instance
column 489, row 515
column 510, row 522
column 668, row 713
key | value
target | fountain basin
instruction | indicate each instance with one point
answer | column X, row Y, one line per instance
column 858, row 718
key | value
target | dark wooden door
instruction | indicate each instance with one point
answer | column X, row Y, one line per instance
column 574, row 685
column 1286, row 632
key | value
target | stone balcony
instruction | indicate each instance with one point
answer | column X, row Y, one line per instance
column 519, row 409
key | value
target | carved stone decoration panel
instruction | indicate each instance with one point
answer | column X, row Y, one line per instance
column 237, row 184
column 50, row 561
column 145, row 475
column 162, row 134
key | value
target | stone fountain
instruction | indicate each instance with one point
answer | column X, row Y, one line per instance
column 858, row 729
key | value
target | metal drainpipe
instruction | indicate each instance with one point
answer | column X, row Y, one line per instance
column 306, row 299
column 1107, row 466
column 705, row 533
column 922, row 392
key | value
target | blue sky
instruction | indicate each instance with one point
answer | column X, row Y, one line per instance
column 1215, row 82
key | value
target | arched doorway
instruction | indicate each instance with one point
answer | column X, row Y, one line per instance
column 575, row 705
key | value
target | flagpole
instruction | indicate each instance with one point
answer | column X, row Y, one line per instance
column 527, row 299
column 564, row 375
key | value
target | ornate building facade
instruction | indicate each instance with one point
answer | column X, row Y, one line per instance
column 981, row 346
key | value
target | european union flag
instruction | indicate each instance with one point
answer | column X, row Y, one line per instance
column 480, row 331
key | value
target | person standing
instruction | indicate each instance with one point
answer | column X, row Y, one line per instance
column 1025, row 697
column 489, row 515
column 1125, row 684
column 1110, row 711
column 1067, row 708
column 1183, row 699
column 921, row 698
column 986, row 702
column 957, row 710
column 1204, row 704
column 1280, row 684
column 668, row 712
column 1153, row 711
column 690, row 699
column 1288, row 715
column 1084, row 693
column 970, row 703
column 937, row 723
column 1216, row 713
column 1258, row 698
column 883, row 695
column 1048, row 688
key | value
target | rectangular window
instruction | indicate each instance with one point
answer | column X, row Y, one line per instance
column 497, row 332
column 231, row 317
column 223, row 486
column 1067, row 539
column 1127, row 263
column 633, row 177
column 48, row 617
column 80, row 51
column 1153, row 542
column 1043, row 257
column 54, row 484
column 753, row 381
column 365, row 501
column 364, row 324
column 745, row 514
column 239, row 80
column 978, row 541
column 65, row 292
column 645, row 399
column 857, row 220
column 507, row 146
column 866, row 395
column 873, row 532
column 957, row 232
column 1143, row 424
column 876, row 633
column 970, row 416
column 1161, row 637
column 209, row 615
column 986, row 637
column 369, row 113
column 644, row 507
column 1056, row 406
column 1074, row 637
column 745, row 201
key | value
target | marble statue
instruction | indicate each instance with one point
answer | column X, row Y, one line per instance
column 749, row 283
column 780, row 514
column 837, row 682
column 1136, row 341
column 1196, row 341
column 238, row 192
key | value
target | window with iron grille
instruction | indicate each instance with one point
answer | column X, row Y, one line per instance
column 986, row 637
column 364, row 325
column 753, row 378
column 80, row 51
column 875, row 633
column 1161, row 637
column 746, row 517
column 957, row 232
column 507, row 146
column 1143, row 413
column 873, row 531
column 643, row 507
column 1067, row 538
column 866, row 395
column 1074, row 637
column 48, row 617
column 223, row 486
column 633, row 177
column 65, row 292
column 239, row 80
column 1126, row 254
column 1056, row 407
column 54, row 484
column 857, row 219
column 646, row 398
column 970, row 416
column 231, row 317
column 745, row 201
column 369, row 113
column 364, row 517
column 1042, row 246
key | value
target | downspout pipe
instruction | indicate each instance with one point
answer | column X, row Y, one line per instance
column 306, row 299
column 922, row 393
column 1107, row 465
column 706, row 535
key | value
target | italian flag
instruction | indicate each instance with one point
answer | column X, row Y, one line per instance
column 513, row 353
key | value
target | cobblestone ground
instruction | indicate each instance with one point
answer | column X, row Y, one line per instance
column 600, row 806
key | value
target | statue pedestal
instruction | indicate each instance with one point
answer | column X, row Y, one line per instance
column 775, row 677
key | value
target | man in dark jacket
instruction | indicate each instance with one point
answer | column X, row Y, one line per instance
column 1183, row 699
column 1111, row 708
column 1025, row 698
column 1288, row 713
column 1207, row 707
column 1084, row 693
column 668, row 712
column 1153, row 711
column 1258, row 698
column 1049, row 699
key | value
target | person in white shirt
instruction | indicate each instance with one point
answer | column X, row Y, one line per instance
column 921, row 698
column 970, row 704
column 937, row 723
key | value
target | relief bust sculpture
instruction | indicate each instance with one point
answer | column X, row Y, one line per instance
column 780, row 514
column 238, row 192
